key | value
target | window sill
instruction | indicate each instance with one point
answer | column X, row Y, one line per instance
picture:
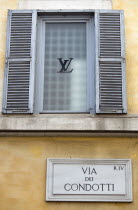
column 69, row 123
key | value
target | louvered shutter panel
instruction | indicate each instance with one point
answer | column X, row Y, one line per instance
column 110, row 62
column 20, row 62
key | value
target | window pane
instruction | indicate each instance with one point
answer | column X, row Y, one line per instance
column 65, row 73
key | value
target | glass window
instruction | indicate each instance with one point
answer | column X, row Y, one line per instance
column 65, row 68
column 65, row 64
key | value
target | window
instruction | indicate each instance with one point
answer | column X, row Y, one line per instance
column 64, row 74
column 71, row 62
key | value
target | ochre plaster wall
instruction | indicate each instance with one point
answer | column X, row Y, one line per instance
column 23, row 169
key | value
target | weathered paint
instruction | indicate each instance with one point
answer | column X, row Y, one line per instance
column 23, row 165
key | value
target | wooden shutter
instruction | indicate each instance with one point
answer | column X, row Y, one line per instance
column 110, row 62
column 20, row 62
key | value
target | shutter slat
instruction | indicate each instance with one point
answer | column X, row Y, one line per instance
column 19, row 76
column 110, row 73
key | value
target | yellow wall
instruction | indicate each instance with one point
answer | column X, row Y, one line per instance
column 23, row 165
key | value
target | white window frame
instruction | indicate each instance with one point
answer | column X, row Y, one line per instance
column 39, row 82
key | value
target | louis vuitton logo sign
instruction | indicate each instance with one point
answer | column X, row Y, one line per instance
column 65, row 65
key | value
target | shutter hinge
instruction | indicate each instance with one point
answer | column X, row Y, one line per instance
column 6, row 63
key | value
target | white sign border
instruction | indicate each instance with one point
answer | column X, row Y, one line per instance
column 89, row 198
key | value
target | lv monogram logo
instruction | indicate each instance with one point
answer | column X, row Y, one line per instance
column 65, row 65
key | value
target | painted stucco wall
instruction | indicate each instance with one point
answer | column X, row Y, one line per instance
column 23, row 169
